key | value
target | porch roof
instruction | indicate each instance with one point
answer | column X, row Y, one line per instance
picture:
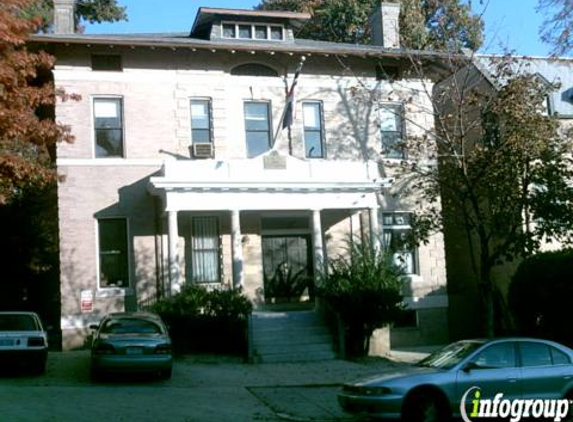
column 267, row 182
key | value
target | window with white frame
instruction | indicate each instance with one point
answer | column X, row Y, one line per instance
column 313, row 129
column 392, row 130
column 257, row 127
column 205, row 250
column 249, row 31
column 108, row 124
column 201, row 121
column 113, row 253
column 395, row 229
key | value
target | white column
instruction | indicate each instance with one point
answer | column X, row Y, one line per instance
column 375, row 234
column 317, row 245
column 237, row 249
column 173, row 235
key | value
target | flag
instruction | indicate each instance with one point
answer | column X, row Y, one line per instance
column 290, row 107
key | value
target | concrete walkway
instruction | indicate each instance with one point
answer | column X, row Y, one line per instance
column 202, row 389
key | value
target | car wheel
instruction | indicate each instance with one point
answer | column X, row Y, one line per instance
column 165, row 374
column 39, row 368
column 95, row 375
column 569, row 417
column 425, row 407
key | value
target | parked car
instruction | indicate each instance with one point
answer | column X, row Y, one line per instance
column 469, row 371
column 131, row 342
column 23, row 341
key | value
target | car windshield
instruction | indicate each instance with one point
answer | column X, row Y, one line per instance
column 451, row 355
column 130, row 326
column 18, row 323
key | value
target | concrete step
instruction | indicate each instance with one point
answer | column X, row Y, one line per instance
column 290, row 337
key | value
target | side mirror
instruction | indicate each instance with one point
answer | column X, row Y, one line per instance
column 470, row 366
column 93, row 327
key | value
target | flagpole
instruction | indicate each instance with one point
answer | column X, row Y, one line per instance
column 290, row 104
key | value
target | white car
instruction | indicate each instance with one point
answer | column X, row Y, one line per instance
column 23, row 341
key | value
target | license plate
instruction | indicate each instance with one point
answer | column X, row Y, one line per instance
column 133, row 350
column 6, row 342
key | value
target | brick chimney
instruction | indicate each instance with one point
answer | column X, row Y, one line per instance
column 64, row 20
column 385, row 25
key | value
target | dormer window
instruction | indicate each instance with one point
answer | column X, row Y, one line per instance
column 248, row 31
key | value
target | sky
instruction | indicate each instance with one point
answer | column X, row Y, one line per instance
column 509, row 24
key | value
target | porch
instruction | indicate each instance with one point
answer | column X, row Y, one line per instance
column 273, row 212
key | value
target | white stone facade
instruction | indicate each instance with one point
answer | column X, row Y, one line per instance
column 157, row 187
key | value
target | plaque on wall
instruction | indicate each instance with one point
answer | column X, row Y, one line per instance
column 274, row 161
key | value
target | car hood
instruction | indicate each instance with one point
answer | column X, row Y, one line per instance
column 399, row 374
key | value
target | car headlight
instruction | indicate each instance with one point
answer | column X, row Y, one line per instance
column 366, row 390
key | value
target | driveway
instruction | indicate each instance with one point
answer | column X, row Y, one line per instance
column 203, row 388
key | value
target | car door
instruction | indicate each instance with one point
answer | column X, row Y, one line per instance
column 493, row 370
column 545, row 370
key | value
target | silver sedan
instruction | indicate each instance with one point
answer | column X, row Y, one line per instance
column 131, row 342
column 512, row 378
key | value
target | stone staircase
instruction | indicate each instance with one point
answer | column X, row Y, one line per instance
column 289, row 337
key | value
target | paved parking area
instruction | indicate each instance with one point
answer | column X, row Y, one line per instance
column 203, row 388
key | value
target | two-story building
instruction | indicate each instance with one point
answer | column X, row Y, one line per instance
column 182, row 172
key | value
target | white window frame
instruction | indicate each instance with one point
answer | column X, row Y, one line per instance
column 321, row 128
column 94, row 99
column 252, row 25
column 269, row 120
column 209, row 102
column 402, row 121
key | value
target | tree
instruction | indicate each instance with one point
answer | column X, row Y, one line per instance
column 541, row 308
column 28, row 132
column 557, row 29
column 503, row 174
column 425, row 24
column 92, row 11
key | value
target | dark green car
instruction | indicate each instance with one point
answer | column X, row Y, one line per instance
column 131, row 342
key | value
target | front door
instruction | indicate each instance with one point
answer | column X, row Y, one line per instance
column 287, row 266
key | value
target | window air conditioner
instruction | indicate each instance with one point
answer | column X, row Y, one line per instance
column 202, row 150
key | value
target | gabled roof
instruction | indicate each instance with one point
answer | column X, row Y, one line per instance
column 556, row 71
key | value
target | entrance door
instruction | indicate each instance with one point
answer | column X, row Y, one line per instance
column 287, row 266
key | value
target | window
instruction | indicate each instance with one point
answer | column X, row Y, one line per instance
column 201, row 125
column 500, row 355
column 313, row 129
column 534, row 354
column 254, row 69
column 257, row 128
column 407, row 319
column 391, row 128
column 559, row 358
column 108, row 122
column 113, row 254
column 229, row 30
column 107, row 62
column 248, row 31
column 276, row 33
column 205, row 250
column 395, row 229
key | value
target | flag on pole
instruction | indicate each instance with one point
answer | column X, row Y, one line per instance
column 290, row 107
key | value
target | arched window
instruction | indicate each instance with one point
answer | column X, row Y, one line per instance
column 254, row 69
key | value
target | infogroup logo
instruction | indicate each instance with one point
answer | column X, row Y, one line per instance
column 515, row 410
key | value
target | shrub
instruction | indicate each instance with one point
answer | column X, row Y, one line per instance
column 365, row 289
column 540, row 294
column 206, row 321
